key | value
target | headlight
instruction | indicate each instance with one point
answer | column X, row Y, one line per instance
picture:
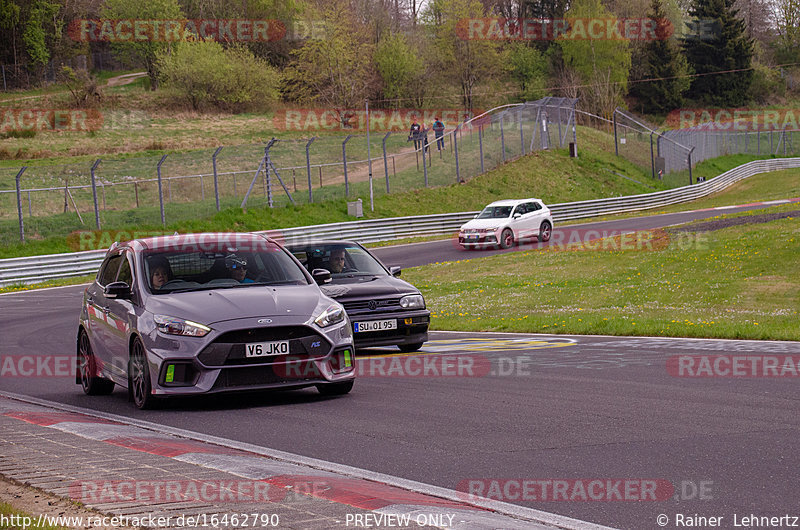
column 490, row 229
column 178, row 326
column 333, row 315
column 412, row 301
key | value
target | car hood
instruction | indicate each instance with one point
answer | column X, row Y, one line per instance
column 485, row 223
column 367, row 287
column 208, row 307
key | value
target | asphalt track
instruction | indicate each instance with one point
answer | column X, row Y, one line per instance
column 526, row 407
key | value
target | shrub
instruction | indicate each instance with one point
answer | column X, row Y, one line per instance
column 203, row 72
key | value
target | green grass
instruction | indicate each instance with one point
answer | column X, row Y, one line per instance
column 738, row 282
column 23, row 518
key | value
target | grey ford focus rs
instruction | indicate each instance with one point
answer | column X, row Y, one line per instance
column 205, row 313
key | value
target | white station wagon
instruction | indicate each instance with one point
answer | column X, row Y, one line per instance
column 507, row 222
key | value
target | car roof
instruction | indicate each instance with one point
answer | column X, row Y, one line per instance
column 512, row 202
column 197, row 240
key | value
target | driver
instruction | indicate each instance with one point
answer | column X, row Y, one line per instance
column 337, row 260
column 160, row 272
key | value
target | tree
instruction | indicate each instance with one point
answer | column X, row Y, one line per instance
column 528, row 67
column 144, row 51
column 663, row 61
column 336, row 71
column 463, row 60
column 399, row 67
column 205, row 72
column 603, row 65
column 787, row 18
column 725, row 49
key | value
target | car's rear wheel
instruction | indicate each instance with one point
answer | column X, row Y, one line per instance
column 87, row 369
column 410, row 347
column 507, row 238
column 139, row 378
column 335, row 389
column 545, row 231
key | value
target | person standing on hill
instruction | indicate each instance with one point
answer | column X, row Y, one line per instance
column 438, row 130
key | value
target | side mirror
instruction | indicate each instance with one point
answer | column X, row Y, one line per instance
column 321, row 276
column 395, row 271
column 517, row 215
column 117, row 290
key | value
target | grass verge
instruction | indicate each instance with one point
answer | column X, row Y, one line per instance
column 735, row 283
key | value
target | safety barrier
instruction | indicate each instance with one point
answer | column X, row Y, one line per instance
column 41, row 268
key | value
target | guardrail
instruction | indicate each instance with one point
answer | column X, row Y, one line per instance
column 40, row 268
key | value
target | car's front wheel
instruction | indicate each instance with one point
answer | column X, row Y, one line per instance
column 507, row 238
column 87, row 369
column 410, row 347
column 139, row 378
column 545, row 231
column 335, row 389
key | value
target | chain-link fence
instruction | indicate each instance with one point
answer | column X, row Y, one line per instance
column 156, row 190
column 709, row 143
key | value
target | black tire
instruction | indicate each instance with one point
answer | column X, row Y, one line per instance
column 87, row 368
column 410, row 347
column 545, row 231
column 335, row 389
column 139, row 378
column 507, row 238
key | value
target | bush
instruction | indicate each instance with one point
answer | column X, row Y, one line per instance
column 203, row 72
column 767, row 85
column 82, row 85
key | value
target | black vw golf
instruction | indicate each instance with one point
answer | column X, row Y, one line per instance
column 383, row 309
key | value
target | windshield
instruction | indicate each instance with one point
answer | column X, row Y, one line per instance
column 495, row 212
column 182, row 271
column 341, row 259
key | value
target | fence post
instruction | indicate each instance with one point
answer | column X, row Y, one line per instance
column 308, row 169
column 216, row 182
column 502, row 137
column 94, row 194
column 521, row 134
column 616, row 139
column 652, row 160
column 161, row 191
column 385, row 162
column 784, row 142
column 689, row 159
column 480, row 145
column 344, row 163
column 255, row 177
column 136, row 191
column 425, row 147
column 455, row 152
column 266, row 175
column 19, row 204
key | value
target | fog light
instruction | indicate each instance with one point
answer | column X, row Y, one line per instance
column 170, row 374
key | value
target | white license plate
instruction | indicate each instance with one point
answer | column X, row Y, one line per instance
column 375, row 325
column 266, row 349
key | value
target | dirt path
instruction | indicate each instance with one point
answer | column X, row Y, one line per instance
column 119, row 80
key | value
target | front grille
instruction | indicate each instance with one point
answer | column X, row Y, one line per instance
column 375, row 305
column 229, row 348
column 253, row 376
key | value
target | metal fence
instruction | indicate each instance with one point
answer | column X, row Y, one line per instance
column 40, row 268
column 708, row 144
column 150, row 190
column 671, row 154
